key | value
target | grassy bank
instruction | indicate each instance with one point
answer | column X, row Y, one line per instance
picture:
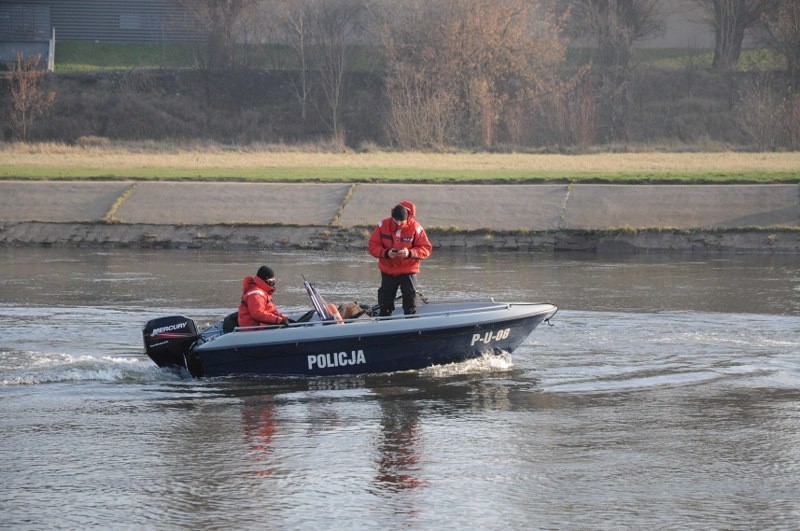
column 279, row 163
column 81, row 56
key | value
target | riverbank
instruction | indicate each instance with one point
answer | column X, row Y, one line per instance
column 97, row 158
column 557, row 217
column 233, row 237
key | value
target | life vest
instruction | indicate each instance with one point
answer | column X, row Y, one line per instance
column 410, row 235
column 257, row 307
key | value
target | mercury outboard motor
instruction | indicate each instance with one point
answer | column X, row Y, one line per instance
column 168, row 340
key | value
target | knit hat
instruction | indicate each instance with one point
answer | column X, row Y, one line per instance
column 400, row 213
column 265, row 273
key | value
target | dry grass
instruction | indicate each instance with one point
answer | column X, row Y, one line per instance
column 229, row 161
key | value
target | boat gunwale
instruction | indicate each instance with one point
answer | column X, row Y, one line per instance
column 254, row 334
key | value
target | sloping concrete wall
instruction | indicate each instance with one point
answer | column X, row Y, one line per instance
column 682, row 206
column 58, row 202
column 459, row 207
column 176, row 203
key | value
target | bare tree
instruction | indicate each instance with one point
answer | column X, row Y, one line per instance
column 334, row 27
column 224, row 23
column 765, row 113
column 468, row 58
column 421, row 113
column 320, row 36
column 730, row 19
column 783, row 28
column 28, row 100
column 288, row 21
column 615, row 25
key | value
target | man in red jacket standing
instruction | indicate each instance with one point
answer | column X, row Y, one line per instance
column 399, row 243
column 257, row 307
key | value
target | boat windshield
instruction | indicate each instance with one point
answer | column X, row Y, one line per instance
column 316, row 299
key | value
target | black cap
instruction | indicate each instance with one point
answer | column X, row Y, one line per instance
column 265, row 273
column 400, row 212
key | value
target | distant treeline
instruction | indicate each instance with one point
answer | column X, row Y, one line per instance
column 455, row 74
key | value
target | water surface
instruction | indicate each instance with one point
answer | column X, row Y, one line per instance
column 666, row 395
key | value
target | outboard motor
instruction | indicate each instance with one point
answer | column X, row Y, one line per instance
column 167, row 340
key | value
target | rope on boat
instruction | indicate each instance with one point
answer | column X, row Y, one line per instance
column 550, row 317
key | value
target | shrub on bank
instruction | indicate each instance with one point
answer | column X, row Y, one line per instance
column 244, row 107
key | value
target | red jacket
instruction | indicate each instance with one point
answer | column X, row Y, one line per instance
column 410, row 235
column 257, row 307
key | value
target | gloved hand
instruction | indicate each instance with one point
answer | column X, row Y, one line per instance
column 286, row 321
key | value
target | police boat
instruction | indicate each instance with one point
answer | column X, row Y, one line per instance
column 323, row 343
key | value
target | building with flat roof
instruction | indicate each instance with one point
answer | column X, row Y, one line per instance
column 32, row 26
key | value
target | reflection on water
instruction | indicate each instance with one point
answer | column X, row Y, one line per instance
column 666, row 394
column 396, row 440
column 259, row 426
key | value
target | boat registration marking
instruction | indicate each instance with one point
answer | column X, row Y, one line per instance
column 488, row 337
column 336, row 359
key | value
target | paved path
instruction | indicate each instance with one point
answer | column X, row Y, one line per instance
column 460, row 207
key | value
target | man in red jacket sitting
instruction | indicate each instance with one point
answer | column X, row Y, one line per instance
column 257, row 307
column 399, row 243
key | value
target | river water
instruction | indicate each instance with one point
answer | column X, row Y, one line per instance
column 666, row 395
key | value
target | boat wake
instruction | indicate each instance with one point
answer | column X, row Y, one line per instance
column 20, row 368
column 33, row 368
column 486, row 363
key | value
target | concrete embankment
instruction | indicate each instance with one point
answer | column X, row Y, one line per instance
column 593, row 217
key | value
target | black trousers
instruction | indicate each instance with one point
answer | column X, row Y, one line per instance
column 388, row 292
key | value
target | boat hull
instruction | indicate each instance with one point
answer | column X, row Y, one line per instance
column 371, row 347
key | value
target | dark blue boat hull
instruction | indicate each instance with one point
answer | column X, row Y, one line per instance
column 410, row 350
